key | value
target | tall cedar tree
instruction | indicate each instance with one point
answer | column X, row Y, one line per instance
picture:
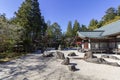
column 110, row 14
column 93, row 24
column 56, row 31
column 24, row 18
column 69, row 32
column 29, row 17
column 118, row 11
column 76, row 27
column 36, row 20
column 83, row 28
column 9, row 34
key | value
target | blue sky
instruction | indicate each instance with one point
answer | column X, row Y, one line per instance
column 62, row 11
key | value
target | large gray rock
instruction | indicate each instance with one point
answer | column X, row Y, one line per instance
column 114, row 57
column 66, row 61
column 89, row 54
column 72, row 54
column 97, row 60
column 101, row 61
column 72, row 68
column 59, row 48
column 111, row 57
column 94, row 60
column 59, row 55
column 48, row 54
column 113, row 64
column 105, row 56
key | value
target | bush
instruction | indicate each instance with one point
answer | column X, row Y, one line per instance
column 11, row 55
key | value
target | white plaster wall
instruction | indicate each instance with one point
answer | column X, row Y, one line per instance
column 118, row 45
column 89, row 46
column 82, row 46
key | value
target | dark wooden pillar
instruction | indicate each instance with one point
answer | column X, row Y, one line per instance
column 91, row 44
column 108, row 41
column 116, row 48
column 116, row 43
column 99, row 44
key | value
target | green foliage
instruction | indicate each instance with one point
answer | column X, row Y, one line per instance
column 83, row 28
column 76, row 27
column 53, row 35
column 118, row 11
column 69, row 32
column 29, row 17
column 93, row 24
column 100, row 24
column 9, row 34
column 54, row 31
column 110, row 14
column 5, row 56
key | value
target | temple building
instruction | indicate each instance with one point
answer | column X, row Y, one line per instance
column 103, row 39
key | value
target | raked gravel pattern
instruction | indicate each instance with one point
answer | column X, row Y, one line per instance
column 36, row 67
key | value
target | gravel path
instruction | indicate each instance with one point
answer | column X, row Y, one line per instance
column 35, row 67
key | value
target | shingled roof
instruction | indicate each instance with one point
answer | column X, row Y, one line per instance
column 110, row 29
column 102, row 32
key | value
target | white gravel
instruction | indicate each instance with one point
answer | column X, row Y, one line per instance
column 35, row 67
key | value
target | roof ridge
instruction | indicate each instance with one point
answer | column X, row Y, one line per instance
column 108, row 24
column 93, row 31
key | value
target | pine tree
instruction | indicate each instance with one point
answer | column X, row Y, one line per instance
column 110, row 14
column 118, row 11
column 69, row 32
column 83, row 28
column 36, row 20
column 29, row 17
column 9, row 34
column 56, row 31
column 24, row 18
column 93, row 24
column 100, row 24
column 76, row 27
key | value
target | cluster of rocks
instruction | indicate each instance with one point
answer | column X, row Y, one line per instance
column 60, row 55
column 48, row 54
column 89, row 57
column 66, row 61
column 110, row 57
column 89, row 54
column 72, row 54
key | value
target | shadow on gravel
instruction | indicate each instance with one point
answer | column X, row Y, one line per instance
column 73, row 64
column 37, row 67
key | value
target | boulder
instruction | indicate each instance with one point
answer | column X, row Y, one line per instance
column 66, row 61
column 89, row 54
column 72, row 54
column 48, row 54
column 72, row 68
column 105, row 56
column 59, row 55
column 25, row 79
column 111, row 57
column 114, row 57
column 59, row 48
column 97, row 60
column 102, row 61
column 93, row 60
column 113, row 64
